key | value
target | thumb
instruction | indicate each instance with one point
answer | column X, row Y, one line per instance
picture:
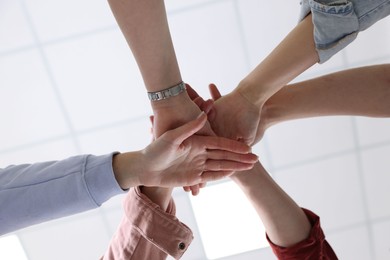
column 191, row 92
column 214, row 92
column 178, row 135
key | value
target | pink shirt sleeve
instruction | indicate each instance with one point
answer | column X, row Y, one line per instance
column 314, row 247
column 147, row 232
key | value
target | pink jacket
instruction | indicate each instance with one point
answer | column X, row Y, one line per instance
column 147, row 232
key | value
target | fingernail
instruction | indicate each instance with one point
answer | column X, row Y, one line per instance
column 201, row 114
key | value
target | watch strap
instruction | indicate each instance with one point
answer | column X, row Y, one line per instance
column 167, row 93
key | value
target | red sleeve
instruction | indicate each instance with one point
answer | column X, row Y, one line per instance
column 313, row 247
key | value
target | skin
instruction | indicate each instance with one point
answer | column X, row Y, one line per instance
column 363, row 91
column 291, row 57
column 145, row 27
column 285, row 222
column 257, row 103
column 198, row 158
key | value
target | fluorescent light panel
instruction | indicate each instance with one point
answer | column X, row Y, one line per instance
column 11, row 248
column 227, row 222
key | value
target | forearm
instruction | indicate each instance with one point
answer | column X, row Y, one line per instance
column 361, row 92
column 147, row 231
column 127, row 168
column 145, row 27
column 160, row 196
column 291, row 57
column 285, row 222
column 35, row 193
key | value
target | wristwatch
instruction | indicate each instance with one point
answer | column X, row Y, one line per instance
column 167, row 93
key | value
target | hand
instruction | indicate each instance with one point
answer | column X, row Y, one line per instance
column 175, row 112
column 207, row 107
column 235, row 117
column 194, row 188
column 180, row 158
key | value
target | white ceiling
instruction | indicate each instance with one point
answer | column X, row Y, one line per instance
column 69, row 85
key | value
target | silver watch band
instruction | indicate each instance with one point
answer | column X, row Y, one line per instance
column 167, row 93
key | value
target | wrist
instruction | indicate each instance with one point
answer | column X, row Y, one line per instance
column 172, row 102
column 158, row 195
column 173, row 91
column 270, row 114
column 172, row 113
column 246, row 178
column 279, row 107
column 250, row 93
column 127, row 168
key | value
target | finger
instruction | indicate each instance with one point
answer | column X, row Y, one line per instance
column 198, row 101
column 224, row 155
column 247, row 140
column 151, row 119
column 202, row 185
column 207, row 106
column 191, row 92
column 195, row 190
column 209, row 176
column 225, row 165
column 178, row 135
column 207, row 130
column 214, row 92
column 212, row 114
column 186, row 188
column 221, row 143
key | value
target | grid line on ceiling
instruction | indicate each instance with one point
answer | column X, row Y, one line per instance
column 363, row 192
column 51, row 78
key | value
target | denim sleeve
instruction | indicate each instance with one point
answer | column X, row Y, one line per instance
column 35, row 193
column 338, row 22
column 335, row 25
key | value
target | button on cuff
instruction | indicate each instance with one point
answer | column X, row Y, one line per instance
column 182, row 246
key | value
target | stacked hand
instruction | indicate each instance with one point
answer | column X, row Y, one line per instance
column 245, row 126
column 181, row 158
column 185, row 156
column 249, row 128
column 175, row 112
column 234, row 117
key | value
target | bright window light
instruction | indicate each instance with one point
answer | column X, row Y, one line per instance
column 227, row 222
column 10, row 248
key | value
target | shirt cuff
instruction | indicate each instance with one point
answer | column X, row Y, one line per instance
column 159, row 227
column 335, row 23
column 311, row 248
column 100, row 179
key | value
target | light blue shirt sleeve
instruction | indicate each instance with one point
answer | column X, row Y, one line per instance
column 35, row 193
